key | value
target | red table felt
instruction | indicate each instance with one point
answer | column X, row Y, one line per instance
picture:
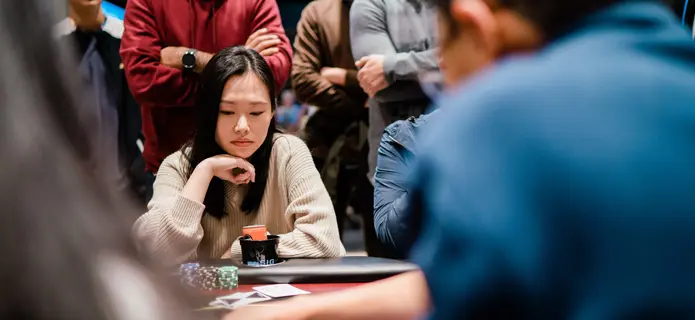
column 311, row 287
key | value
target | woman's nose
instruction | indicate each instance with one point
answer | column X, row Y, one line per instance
column 242, row 126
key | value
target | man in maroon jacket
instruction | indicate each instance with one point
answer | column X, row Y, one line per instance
column 166, row 43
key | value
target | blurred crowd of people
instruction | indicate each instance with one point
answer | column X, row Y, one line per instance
column 533, row 157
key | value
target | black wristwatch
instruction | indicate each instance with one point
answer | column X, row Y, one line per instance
column 188, row 59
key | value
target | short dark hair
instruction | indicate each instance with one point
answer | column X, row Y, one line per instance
column 232, row 61
column 553, row 17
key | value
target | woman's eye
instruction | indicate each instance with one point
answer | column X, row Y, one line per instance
column 256, row 113
column 226, row 113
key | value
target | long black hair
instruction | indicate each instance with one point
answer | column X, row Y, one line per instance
column 61, row 227
column 230, row 62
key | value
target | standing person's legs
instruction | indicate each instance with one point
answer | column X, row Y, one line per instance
column 365, row 187
column 363, row 203
column 342, row 197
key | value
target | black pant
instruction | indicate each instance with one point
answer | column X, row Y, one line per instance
column 342, row 194
column 363, row 203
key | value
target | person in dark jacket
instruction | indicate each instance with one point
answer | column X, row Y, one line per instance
column 324, row 73
column 120, row 160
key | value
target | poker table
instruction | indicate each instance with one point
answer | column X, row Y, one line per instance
column 313, row 275
column 335, row 270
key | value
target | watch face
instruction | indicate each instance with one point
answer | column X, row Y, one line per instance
column 188, row 59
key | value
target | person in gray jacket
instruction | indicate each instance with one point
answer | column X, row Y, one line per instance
column 393, row 42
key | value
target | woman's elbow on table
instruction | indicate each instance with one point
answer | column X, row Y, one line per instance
column 330, row 245
column 164, row 241
column 335, row 250
column 311, row 241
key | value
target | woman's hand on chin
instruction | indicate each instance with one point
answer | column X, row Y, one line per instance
column 230, row 168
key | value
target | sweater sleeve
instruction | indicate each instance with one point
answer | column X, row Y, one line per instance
column 170, row 231
column 307, row 81
column 267, row 15
column 310, row 211
column 150, row 82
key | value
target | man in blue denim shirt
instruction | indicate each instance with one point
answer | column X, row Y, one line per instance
column 395, row 160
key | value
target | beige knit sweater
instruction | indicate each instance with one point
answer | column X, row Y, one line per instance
column 295, row 206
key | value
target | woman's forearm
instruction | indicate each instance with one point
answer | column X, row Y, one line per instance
column 197, row 185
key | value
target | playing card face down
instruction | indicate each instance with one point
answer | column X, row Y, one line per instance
column 279, row 290
column 239, row 299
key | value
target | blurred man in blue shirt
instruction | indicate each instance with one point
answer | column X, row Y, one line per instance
column 557, row 185
column 560, row 185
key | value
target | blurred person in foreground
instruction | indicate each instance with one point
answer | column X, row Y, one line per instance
column 67, row 253
column 167, row 43
column 97, row 41
column 565, row 195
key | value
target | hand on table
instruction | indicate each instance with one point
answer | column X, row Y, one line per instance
column 371, row 74
column 87, row 14
column 334, row 75
column 227, row 167
column 263, row 43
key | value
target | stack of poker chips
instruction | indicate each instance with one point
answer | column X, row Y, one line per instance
column 228, row 277
column 188, row 273
column 206, row 278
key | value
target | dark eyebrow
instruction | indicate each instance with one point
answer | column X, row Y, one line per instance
column 255, row 103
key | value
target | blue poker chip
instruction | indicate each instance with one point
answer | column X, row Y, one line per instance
column 187, row 272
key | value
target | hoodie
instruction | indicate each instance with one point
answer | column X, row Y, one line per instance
column 167, row 95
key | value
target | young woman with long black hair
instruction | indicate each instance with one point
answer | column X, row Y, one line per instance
column 238, row 170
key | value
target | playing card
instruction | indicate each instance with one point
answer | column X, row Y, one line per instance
column 232, row 299
column 236, row 296
column 217, row 303
column 279, row 290
column 248, row 301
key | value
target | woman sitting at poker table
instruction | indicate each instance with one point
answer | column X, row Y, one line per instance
column 238, row 170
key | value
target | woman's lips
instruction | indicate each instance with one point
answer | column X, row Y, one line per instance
column 242, row 143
